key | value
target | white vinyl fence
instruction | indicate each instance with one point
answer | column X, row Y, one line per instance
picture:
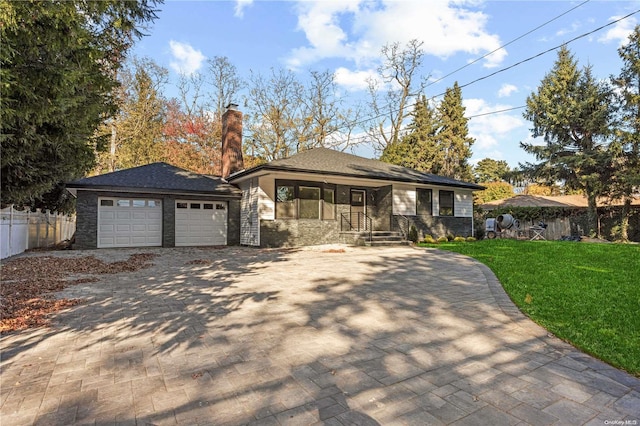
column 23, row 230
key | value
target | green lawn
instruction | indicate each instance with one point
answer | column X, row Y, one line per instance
column 585, row 293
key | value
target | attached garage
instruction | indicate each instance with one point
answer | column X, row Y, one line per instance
column 156, row 205
column 201, row 223
column 129, row 222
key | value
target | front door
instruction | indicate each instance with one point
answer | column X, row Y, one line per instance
column 358, row 209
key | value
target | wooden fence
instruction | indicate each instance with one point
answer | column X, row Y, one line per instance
column 23, row 230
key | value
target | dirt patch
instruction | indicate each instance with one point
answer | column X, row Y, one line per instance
column 28, row 285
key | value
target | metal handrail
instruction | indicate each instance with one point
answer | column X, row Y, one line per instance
column 362, row 223
column 405, row 235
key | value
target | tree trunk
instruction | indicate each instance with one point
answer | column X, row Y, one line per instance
column 592, row 215
column 112, row 151
column 624, row 220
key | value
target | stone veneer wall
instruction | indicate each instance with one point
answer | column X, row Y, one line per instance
column 440, row 226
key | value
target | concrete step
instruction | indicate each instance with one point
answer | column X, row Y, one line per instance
column 386, row 243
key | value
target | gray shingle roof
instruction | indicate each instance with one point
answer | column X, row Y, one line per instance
column 328, row 161
column 157, row 177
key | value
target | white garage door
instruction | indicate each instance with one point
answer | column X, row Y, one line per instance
column 201, row 223
column 129, row 222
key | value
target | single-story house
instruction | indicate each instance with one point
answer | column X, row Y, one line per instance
column 317, row 196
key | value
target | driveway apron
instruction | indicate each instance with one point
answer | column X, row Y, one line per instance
column 321, row 335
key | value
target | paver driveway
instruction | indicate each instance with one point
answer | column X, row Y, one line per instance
column 364, row 337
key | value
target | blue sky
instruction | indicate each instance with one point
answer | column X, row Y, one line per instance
column 345, row 37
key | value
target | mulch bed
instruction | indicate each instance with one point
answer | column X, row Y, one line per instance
column 27, row 293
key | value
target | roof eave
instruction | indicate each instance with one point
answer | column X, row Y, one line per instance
column 265, row 167
column 106, row 188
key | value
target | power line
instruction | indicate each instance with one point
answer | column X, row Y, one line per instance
column 496, row 112
column 360, row 122
column 507, row 44
column 516, row 64
column 493, row 51
column 549, row 50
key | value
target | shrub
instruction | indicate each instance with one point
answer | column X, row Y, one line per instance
column 413, row 234
column 471, row 239
column 450, row 237
column 459, row 239
column 442, row 239
column 429, row 239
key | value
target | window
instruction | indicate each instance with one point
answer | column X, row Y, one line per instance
column 446, row 203
column 138, row 203
column 305, row 200
column 153, row 203
column 328, row 204
column 207, row 206
column 124, row 203
column 106, row 203
column 181, row 205
column 423, row 202
column 309, row 202
column 285, row 202
column 220, row 206
column 195, row 205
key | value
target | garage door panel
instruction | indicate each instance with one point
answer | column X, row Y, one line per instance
column 108, row 215
column 136, row 223
column 200, row 224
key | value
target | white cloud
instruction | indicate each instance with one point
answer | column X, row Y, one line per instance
column 564, row 31
column 620, row 31
column 187, row 60
column 506, row 90
column 353, row 80
column 356, row 30
column 241, row 5
column 488, row 130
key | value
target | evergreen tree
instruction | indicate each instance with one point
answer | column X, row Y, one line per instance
column 453, row 137
column 490, row 170
column 136, row 131
column 572, row 112
column 58, row 62
column 626, row 144
column 417, row 149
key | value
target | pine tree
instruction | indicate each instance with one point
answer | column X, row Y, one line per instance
column 490, row 170
column 136, row 131
column 58, row 62
column 627, row 139
column 571, row 110
column 417, row 149
column 453, row 137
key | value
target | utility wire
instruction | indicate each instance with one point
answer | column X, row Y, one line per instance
column 369, row 119
column 512, row 66
column 507, row 44
column 493, row 51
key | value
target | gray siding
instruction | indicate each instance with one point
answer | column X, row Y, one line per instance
column 249, row 221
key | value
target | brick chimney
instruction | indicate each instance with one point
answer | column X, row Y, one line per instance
column 231, row 141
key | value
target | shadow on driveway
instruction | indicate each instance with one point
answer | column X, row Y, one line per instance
column 242, row 336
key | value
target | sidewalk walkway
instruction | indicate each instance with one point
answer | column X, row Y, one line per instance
column 364, row 336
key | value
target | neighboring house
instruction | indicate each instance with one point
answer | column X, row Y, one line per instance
column 318, row 196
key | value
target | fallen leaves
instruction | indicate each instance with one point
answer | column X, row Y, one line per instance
column 29, row 283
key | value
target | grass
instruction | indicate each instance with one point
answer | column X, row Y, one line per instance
column 587, row 294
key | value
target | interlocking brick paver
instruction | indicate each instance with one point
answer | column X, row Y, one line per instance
column 301, row 336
